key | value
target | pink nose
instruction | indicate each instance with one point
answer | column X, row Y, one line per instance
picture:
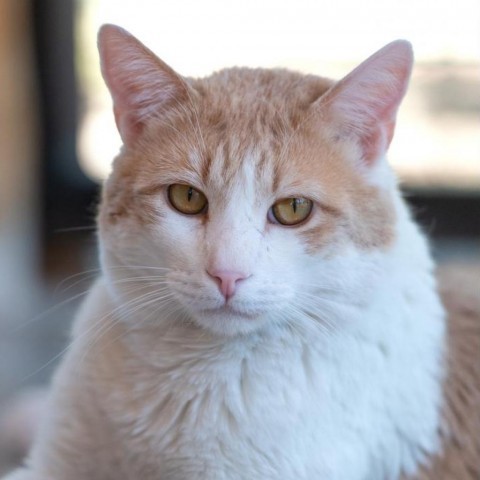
column 227, row 281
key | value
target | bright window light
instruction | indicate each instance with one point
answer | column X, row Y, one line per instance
column 437, row 141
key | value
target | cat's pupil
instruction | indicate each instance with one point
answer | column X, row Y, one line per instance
column 190, row 193
column 294, row 205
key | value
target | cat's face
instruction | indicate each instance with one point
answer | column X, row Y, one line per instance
column 244, row 199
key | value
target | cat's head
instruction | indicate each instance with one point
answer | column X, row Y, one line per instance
column 249, row 197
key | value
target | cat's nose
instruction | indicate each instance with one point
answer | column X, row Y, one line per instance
column 227, row 281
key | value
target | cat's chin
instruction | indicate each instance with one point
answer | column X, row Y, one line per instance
column 230, row 321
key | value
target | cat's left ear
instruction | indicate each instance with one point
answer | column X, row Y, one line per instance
column 364, row 104
column 141, row 85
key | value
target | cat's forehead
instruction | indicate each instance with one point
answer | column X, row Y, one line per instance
column 243, row 128
column 246, row 170
column 246, row 98
column 247, row 121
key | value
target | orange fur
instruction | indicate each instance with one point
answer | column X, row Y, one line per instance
column 269, row 114
column 460, row 434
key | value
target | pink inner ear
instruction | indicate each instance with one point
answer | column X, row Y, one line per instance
column 364, row 104
column 376, row 142
column 128, row 125
column 141, row 85
column 372, row 147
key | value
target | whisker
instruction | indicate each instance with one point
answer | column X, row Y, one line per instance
column 57, row 306
column 85, row 274
column 50, row 310
column 139, row 267
column 76, row 339
column 132, row 308
column 85, row 228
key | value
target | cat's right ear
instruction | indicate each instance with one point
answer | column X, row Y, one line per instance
column 141, row 85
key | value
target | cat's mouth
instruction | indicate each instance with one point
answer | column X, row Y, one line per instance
column 228, row 310
column 231, row 319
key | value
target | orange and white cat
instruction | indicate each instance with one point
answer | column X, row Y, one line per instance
column 267, row 307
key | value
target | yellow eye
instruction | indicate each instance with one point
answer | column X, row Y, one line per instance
column 186, row 199
column 292, row 211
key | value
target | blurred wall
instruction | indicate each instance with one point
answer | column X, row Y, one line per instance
column 18, row 182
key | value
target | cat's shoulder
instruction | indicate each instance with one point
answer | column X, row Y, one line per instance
column 460, row 456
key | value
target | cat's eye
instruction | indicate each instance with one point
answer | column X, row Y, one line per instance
column 291, row 211
column 187, row 199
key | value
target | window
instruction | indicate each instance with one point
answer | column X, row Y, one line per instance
column 437, row 141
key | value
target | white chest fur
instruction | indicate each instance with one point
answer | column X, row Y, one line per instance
column 363, row 403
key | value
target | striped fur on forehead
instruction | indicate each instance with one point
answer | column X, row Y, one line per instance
column 235, row 112
column 250, row 114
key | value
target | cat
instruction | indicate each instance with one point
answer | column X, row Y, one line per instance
column 267, row 307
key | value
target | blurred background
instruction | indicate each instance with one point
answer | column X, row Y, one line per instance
column 57, row 135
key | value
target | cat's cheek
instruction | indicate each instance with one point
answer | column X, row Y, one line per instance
column 179, row 235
